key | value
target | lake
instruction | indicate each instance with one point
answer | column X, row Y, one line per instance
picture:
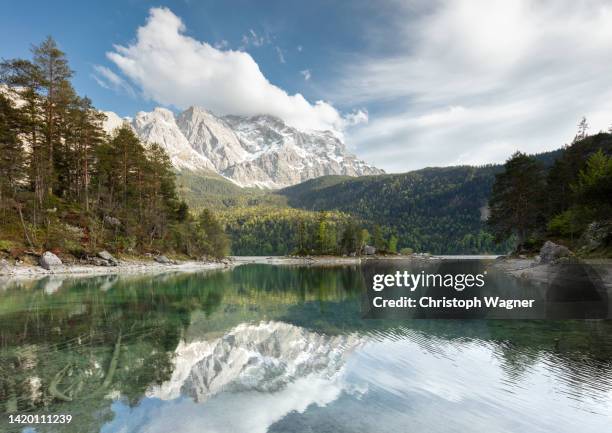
column 263, row 348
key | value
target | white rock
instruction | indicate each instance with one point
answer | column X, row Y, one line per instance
column 105, row 255
column 49, row 260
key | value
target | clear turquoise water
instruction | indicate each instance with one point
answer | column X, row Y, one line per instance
column 284, row 349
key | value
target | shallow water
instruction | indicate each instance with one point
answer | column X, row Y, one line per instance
column 284, row 349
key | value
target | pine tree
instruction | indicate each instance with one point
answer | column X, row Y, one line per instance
column 91, row 136
column 158, row 197
column 517, row 199
column 216, row 242
column 322, row 234
column 12, row 156
column 301, row 236
column 23, row 80
column 583, row 127
column 54, row 71
column 378, row 239
column 349, row 243
column 593, row 189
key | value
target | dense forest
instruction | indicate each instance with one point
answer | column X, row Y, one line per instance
column 571, row 201
column 66, row 186
column 283, row 230
column 439, row 210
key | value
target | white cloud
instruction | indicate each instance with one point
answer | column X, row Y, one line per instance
column 174, row 69
column 254, row 39
column 222, row 44
column 470, row 81
column 357, row 117
column 306, row 74
column 281, row 56
column 109, row 80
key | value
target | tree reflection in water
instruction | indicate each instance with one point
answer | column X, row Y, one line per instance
column 76, row 345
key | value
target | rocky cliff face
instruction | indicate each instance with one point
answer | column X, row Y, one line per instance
column 159, row 126
column 251, row 151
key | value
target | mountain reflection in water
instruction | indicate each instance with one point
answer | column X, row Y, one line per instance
column 283, row 349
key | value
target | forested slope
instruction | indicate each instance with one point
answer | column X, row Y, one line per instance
column 441, row 210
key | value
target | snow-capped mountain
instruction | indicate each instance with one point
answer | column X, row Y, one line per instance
column 159, row 126
column 251, row 151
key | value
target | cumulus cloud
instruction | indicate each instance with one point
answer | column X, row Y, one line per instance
column 357, row 117
column 471, row 81
column 222, row 44
column 174, row 69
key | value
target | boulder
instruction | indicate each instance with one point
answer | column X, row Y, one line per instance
column 163, row 260
column 369, row 250
column 49, row 260
column 97, row 261
column 105, row 255
column 598, row 235
column 551, row 252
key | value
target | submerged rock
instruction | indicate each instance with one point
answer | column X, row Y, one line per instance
column 552, row 252
column 49, row 260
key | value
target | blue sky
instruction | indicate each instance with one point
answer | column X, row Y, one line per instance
column 87, row 30
column 407, row 83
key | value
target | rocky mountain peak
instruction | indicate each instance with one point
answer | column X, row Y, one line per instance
column 257, row 150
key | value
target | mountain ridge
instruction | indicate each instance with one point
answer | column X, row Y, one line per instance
column 261, row 150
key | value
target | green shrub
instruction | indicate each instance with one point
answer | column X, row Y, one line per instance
column 7, row 246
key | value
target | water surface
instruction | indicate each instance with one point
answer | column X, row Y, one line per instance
column 266, row 348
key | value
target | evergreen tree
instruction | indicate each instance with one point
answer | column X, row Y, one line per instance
column 393, row 244
column 24, row 80
column 54, row 72
column 583, row 127
column 594, row 187
column 378, row 239
column 516, row 202
column 322, row 235
column 182, row 211
column 12, row 156
column 301, row 237
column 215, row 242
column 349, row 242
column 364, row 237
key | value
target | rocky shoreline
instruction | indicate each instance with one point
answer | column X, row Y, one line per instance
column 105, row 264
column 553, row 262
column 539, row 268
column 122, row 266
